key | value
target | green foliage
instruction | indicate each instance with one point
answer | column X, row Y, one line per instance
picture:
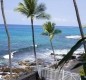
column 70, row 53
column 49, row 30
column 22, row 8
column 43, row 15
column 57, row 31
column 45, row 33
column 31, row 8
column 82, row 73
column 49, row 27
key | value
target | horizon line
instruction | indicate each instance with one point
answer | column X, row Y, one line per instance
column 40, row 25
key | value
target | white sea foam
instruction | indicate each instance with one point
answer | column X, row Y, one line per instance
column 35, row 45
column 73, row 37
column 7, row 55
column 0, row 77
column 47, row 55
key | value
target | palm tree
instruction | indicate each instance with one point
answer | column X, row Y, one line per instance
column 80, row 27
column 32, row 9
column 49, row 30
column 8, row 37
column 79, row 22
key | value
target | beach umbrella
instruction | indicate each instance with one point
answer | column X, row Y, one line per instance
column 8, row 37
column 49, row 30
column 31, row 9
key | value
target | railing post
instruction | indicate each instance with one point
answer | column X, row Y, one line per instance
column 62, row 74
column 71, row 76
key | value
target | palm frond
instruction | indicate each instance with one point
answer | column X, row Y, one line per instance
column 57, row 31
column 21, row 8
column 48, row 27
column 70, row 53
column 53, row 24
column 43, row 15
column 27, row 3
column 45, row 33
column 40, row 8
column 78, row 65
column 31, row 6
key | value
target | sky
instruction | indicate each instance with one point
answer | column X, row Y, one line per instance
column 62, row 12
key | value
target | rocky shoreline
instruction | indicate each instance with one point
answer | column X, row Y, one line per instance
column 23, row 67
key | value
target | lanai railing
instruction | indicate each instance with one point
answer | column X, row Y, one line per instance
column 52, row 74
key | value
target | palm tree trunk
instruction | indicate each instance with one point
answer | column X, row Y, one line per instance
column 79, row 22
column 8, row 36
column 52, row 49
column 80, row 27
column 33, row 38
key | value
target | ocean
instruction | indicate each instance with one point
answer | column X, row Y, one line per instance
column 21, row 42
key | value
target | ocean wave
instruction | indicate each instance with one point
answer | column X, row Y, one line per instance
column 7, row 55
column 59, row 53
column 26, row 49
column 17, row 52
column 45, row 55
column 73, row 37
